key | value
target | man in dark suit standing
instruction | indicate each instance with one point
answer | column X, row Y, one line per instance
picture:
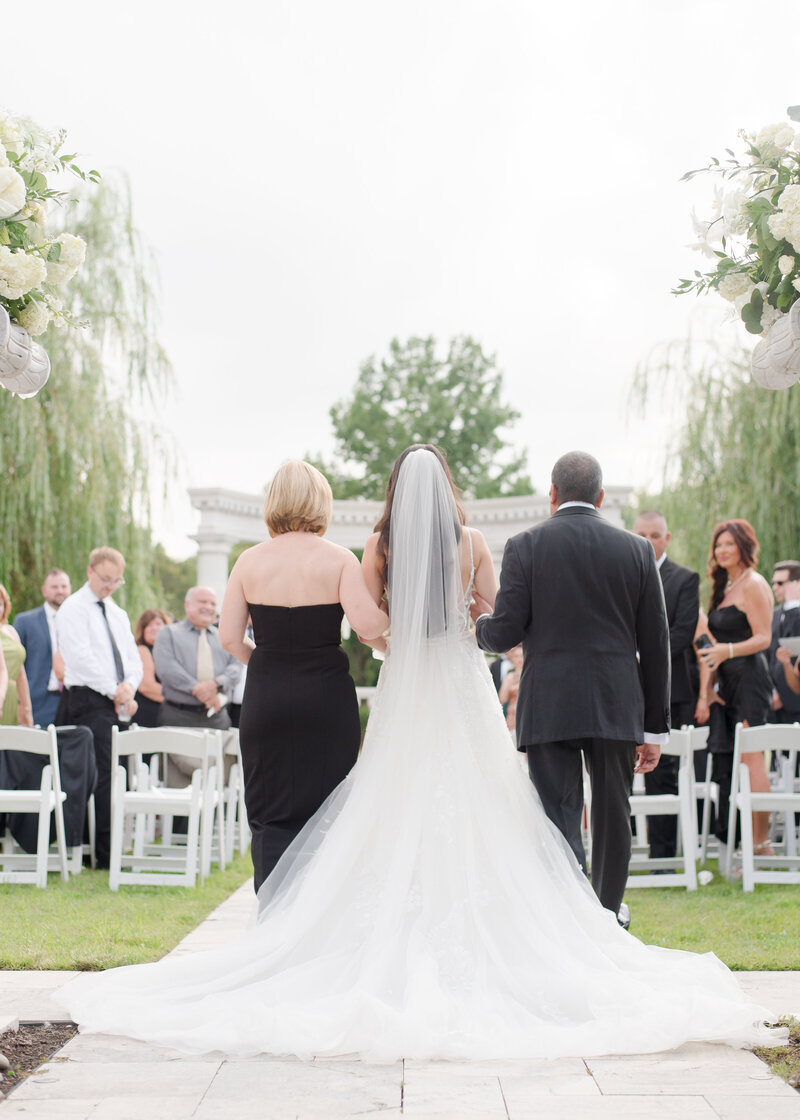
column 585, row 600
column 37, row 632
column 785, row 707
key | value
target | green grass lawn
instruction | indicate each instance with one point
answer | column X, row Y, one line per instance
column 757, row 932
column 82, row 924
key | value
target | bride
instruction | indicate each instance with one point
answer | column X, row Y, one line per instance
column 429, row 909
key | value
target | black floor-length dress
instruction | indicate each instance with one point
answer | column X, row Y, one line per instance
column 299, row 728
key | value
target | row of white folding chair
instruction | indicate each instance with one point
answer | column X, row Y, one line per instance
column 237, row 833
column 47, row 802
column 678, row 870
column 201, row 803
column 783, row 800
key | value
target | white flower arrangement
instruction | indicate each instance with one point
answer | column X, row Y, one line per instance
column 753, row 235
column 33, row 266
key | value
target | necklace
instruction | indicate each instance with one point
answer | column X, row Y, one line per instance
column 732, row 582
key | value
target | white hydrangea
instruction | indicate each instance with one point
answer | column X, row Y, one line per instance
column 785, row 224
column 73, row 253
column 20, row 272
column 735, row 284
column 769, row 316
column 774, row 140
column 734, row 216
column 34, row 318
column 12, row 191
column 786, row 265
column 10, row 135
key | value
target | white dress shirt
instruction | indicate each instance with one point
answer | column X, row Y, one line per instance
column 50, row 614
column 86, row 648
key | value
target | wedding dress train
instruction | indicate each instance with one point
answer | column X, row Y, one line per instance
column 429, row 909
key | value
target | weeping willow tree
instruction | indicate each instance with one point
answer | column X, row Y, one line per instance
column 737, row 452
column 76, row 460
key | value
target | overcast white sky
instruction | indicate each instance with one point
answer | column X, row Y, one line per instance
column 318, row 177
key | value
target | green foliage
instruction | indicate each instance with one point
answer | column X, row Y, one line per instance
column 77, row 462
column 737, row 454
column 414, row 396
column 81, row 924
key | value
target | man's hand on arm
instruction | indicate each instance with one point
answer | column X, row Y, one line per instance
column 206, row 692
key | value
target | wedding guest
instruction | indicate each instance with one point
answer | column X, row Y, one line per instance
column 785, row 705
column 3, row 678
column 300, row 731
column 17, row 704
column 682, row 600
column 150, row 695
column 735, row 684
column 102, row 671
column 509, row 689
column 37, row 632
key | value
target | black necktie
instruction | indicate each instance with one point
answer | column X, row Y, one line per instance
column 114, row 647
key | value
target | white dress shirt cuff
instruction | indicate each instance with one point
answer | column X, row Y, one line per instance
column 656, row 740
column 480, row 616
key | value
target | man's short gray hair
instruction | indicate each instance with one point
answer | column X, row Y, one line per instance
column 577, row 477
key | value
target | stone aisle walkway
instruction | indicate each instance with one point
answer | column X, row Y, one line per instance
column 100, row 1077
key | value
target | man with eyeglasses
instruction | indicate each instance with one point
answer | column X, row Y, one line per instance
column 102, row 670
column 785, row 705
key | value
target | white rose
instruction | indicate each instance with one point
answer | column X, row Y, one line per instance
column 786, row 265
column 73, row 253
column 796, row 283
column 34, row 318
column 10, row 135
column 20, row 272
column 12, row 192
column 734, row 284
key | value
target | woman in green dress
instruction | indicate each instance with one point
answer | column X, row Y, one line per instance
column 17, row 707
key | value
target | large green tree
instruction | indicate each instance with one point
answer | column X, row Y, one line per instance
column 414, row 395
column 77, row 461
column 736, row 454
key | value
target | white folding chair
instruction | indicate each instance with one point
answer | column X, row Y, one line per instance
column 165, row 863
column 782, row 799
column 678, row 870
column 706, row 793
column 237, row 833
column 47, row 801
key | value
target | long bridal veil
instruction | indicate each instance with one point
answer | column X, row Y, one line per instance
column 429, row 909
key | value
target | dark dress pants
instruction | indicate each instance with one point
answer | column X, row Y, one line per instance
column 87, row 708
column 557, row 774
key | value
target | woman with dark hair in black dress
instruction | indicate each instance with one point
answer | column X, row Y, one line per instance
column 740, row 625
column 299, row 728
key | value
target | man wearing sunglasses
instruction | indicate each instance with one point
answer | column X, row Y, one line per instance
column 785, row 706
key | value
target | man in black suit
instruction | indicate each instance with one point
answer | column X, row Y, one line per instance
column 785, row 707
column 585, row 599
column 682, row 600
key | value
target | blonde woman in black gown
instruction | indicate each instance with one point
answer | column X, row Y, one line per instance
column 299, row 728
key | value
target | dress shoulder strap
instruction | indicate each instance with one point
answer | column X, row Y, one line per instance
column 471, row 553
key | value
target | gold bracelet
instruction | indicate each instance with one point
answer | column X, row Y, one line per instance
column 730, row 651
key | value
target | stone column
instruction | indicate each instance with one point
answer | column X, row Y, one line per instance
column 212, row 561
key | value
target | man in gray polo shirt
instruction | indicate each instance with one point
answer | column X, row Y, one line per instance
column 196, row 673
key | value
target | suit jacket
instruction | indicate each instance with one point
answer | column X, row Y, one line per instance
column 682, row 600
column 583, row 597
column 785, row 624
column 34, row 633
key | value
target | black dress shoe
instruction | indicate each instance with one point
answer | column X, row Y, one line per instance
column 624, row 915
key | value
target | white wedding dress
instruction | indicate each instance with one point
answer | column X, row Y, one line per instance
column 430, row 909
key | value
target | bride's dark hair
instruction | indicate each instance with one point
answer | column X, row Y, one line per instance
column 384, row 523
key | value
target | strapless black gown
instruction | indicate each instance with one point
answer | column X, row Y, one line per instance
column 745, row 683
column 299, row 728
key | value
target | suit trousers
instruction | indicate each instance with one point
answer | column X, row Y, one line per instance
column 86, row 708
column 557, row 773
